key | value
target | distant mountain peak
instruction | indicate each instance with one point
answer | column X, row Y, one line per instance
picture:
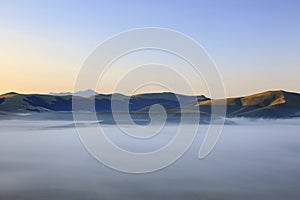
column 82, row 93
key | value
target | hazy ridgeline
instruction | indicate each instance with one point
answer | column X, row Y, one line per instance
column 254, row 159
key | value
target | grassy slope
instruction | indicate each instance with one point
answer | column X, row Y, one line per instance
column 266, row 104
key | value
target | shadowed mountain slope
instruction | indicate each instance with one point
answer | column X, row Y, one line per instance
column 19, row 103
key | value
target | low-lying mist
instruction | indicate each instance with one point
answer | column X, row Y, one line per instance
column 253, row 159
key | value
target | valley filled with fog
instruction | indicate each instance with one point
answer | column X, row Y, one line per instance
column 253, row 159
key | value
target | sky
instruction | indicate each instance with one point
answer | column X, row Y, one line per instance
column 255, row 44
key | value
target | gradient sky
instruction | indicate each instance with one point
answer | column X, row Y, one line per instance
column 255, row 44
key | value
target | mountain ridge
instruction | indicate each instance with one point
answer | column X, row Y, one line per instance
column 82, row 93
column 268, row 104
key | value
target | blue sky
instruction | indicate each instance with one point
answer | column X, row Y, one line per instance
column 255, row 44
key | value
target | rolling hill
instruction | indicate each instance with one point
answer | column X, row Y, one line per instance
column 270, row 104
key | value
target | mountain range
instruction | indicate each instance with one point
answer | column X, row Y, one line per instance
column 83, row 93
column 269, row 104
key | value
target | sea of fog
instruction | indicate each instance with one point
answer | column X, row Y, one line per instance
column 254, row 159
